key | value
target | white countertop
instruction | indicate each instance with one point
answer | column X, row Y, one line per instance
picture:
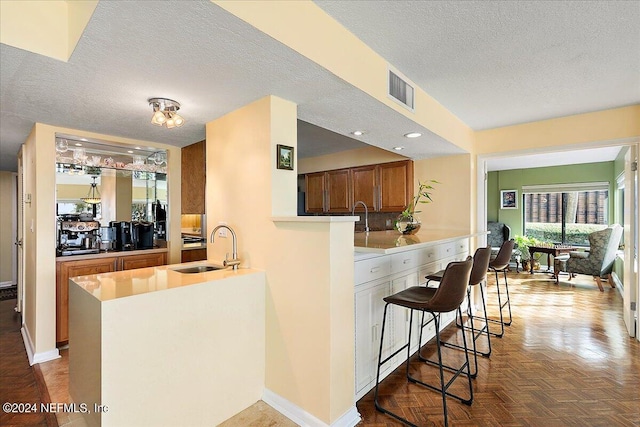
column 391, row 241
column 127, row 283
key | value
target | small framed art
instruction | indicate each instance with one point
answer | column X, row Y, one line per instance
column 509, row 199
column 284, row 157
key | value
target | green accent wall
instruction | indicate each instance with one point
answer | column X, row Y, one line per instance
column 517, row 178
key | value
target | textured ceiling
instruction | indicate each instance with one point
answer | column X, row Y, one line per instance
column 490, row 63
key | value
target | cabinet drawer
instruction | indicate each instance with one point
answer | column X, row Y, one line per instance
column 404, row 261
column 371, row 269
column 446, row 250
column 462, row 246
column 428, row 255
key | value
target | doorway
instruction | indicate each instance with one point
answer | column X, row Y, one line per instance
column 631, row 285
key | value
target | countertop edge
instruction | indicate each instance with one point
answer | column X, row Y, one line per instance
column 414, row 246
column 110, row 254
column 312, row 218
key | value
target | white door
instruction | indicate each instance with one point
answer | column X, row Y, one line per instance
column 631, row 285
column 20, row 237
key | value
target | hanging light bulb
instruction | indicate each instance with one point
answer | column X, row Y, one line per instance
column 93, row 197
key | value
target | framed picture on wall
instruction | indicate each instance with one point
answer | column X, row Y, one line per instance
column 284, row 157
column 509, row 199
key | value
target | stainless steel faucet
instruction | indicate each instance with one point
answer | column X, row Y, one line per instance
column 234, row 261
column 366, row 214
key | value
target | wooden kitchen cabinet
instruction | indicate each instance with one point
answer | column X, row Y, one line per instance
column 193, row 178
column 83, row 267
column 143, row 260
column 395, row 186
column 315, row 194
column 67, row 269
column 365, row 186
column 386, row 187
column 190, row 255
column 338, row 199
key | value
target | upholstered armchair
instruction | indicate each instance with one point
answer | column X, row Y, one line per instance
column 500, row 233
column 598, row 261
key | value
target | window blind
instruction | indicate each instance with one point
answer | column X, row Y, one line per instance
column 565, row 188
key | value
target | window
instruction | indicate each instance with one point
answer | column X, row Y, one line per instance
column 566, row 214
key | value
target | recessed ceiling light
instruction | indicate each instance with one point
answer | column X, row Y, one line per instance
column 78, row 144
column 398, row 148
column 358, row 132
column 412, row 135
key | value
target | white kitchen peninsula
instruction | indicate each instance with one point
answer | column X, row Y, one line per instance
column 387, row 262
column 158, row 347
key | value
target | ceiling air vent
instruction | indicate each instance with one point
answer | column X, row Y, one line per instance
column 400, row 90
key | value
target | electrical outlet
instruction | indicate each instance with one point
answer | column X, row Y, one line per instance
column 222, row 232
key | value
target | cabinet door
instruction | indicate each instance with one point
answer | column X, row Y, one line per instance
column 194, row 255
column 401, row 316
column 364, row 181
column 193, row 178
column 369, row 308
column 338, row 191
column 142, row 261
column 65, row 270
column 314, row 192
column 396, row 186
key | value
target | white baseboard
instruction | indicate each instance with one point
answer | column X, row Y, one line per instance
column 617, row 282
column 305, row 419
column 37, row 357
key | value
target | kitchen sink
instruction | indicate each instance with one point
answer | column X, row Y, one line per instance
column 198, row 269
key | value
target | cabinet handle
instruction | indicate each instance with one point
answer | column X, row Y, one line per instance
column 374, row 270
column 406, row 261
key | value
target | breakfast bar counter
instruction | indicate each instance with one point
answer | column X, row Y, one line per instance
column 155, row 346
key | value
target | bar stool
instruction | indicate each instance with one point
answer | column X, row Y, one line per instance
column 501, row 264
column 446, row 298
column 478, row 275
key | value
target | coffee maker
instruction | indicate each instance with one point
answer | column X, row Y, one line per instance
column 142, row 234
column 77, row 237
column 123, row 239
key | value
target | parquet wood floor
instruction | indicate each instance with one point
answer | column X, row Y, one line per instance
column 565, row 361
column 19, row 382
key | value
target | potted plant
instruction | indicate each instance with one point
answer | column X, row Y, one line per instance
column 407, row 223
column 523, row 243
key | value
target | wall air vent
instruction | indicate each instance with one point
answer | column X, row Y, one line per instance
column 400, row 90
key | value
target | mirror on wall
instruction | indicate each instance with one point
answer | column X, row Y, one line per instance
column 111, row 183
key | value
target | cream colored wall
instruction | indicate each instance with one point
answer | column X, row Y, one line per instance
column 7, row 227
column 51, row 28
column 309, row 266
column 39, row 181
column 581, row 129
column 358, row 157
column 454, row 202
column 297, row 24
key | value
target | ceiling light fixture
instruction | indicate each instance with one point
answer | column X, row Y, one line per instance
column 165, row 112
column 93, row 197
column 412, row 135
column 358, row 132
column 398, row 148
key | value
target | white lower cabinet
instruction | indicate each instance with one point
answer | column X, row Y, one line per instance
column 402, row 270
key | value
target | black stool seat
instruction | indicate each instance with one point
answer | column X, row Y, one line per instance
column 446, row 298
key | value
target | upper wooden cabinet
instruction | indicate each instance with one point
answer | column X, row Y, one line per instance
column 386, row 187
column 338, row 191
column 395, row 186
column 193, row 178
column 315, row 193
